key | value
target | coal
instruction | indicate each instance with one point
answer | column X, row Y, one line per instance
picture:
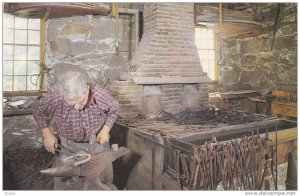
column 210, row 116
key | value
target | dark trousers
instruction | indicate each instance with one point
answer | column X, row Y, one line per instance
column 75, row 182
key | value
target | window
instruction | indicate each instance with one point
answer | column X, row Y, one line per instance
column 205, row 42
column 21, row 53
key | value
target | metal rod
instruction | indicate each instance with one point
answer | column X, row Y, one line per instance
column 220, row 32
column 153, row 163
column 180, row 148
column 276, row 171
column 277, row 21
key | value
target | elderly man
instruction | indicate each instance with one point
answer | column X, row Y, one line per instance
column 81, row 111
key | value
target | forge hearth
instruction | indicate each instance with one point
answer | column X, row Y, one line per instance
column 153, row 141
column 189, row 123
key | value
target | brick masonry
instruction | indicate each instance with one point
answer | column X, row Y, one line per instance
column 168, row 46
column 173, row 96
column 167, row 49
column 129, row 96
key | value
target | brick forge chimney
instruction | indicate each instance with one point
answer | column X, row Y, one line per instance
column 165, row 71
column 167, row 52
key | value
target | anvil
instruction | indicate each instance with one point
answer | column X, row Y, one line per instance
column 90, row 168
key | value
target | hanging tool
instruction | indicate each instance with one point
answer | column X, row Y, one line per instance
column 238, row 164
column 115, row 7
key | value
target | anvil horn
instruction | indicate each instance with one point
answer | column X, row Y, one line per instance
column 91, row 168
column 62, row 171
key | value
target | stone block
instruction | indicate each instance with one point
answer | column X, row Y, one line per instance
column 229, row 46
column 71, row 47
column 289, row 18
column 267, row 59
column 254, row 46
column 253, row 77
column 231, row 59
column 104, row 27
column 287, row 30
column 248, row 61
column 285, row 44
column 268, row 13
column 76, row 31
column 54, row 28
column 288, row 59
column 228, row 77
column 61, row 68
column 287, row 75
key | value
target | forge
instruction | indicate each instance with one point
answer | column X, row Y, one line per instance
column 153, row 143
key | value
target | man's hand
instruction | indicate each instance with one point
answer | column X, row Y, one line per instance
column 49, row 140
column 103, row 135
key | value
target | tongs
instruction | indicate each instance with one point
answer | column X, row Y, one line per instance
column 74, row 154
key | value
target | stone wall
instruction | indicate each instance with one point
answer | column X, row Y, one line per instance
column 263, row 62
column 89, row 43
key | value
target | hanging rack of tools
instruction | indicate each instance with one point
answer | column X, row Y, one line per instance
column 237, row 164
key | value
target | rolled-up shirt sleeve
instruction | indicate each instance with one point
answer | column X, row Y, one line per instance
column 109, row 104
column 43, row 109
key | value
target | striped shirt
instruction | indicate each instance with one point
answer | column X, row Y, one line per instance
column 77, row 125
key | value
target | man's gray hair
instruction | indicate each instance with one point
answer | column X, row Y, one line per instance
column 72, row 85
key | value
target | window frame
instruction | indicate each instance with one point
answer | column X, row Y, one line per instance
column 215, row 50
column 42, row 47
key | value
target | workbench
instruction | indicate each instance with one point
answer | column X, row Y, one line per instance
column 284, row 104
